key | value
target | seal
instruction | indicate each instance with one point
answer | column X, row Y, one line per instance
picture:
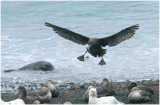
column 40, row 65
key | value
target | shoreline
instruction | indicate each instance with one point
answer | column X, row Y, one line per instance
column 74, row 92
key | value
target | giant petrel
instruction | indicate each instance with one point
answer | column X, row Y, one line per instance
column 95, row 44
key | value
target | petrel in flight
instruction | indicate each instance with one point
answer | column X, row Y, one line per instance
column 95, row 44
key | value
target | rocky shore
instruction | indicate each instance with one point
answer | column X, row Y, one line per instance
column 74, row 92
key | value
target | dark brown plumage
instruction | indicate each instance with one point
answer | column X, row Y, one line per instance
column 95, row 44
column 50, row 84
column 40, row 95
column 133, row 84
column 105, row 88
column 138, row 95
column 65, row 33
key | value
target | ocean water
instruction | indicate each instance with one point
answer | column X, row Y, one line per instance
column 25, row 39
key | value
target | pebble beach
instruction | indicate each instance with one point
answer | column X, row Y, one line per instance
column 74, row 92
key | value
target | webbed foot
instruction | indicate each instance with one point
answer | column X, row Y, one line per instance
column 81, row 58
column 102, row 62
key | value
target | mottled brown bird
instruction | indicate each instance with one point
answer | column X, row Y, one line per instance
column 95, row 44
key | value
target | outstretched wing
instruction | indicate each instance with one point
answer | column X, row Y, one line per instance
column 119, row 37
column 65, row 33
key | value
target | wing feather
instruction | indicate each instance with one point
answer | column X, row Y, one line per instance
column 119, row 37
column 67, row 34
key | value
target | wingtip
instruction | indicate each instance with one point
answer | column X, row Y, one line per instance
column 47, row 24
column 137, row 25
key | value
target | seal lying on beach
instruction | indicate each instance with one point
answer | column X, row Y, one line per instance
column 95, row 44
column 40, row 65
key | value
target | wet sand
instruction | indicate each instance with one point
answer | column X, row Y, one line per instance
column 74, row 92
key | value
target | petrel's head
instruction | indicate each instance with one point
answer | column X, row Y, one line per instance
column 133, row 84
column 93, row 92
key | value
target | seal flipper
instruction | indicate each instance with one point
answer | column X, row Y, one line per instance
column 9, row 70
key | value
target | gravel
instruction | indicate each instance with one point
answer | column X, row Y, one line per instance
column 74, row 92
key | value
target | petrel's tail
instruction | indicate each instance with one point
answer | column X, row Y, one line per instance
column 97, row 52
